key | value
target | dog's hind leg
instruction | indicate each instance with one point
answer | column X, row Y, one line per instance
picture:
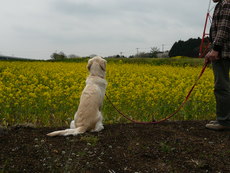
column 99, row 126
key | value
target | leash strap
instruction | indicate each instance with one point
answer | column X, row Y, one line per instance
column 171, row 115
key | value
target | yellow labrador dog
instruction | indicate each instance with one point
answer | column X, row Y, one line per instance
column 88, row 116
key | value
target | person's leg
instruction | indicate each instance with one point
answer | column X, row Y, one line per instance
column 222, row 90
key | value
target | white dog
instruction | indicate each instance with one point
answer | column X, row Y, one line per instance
column 88, row 116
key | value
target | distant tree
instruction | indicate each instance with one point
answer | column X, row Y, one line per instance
column 154, row 51
column 152, row 54
column 131, row 56
column 58, row 56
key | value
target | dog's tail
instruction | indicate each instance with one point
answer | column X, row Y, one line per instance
column 68, row 132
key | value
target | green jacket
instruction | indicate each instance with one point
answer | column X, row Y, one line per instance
column 220, row 28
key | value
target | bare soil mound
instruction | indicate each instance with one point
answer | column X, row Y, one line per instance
column 177, row 146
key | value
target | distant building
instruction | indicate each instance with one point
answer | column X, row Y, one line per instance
column 163, row 54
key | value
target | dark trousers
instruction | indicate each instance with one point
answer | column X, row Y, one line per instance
column 222, row 90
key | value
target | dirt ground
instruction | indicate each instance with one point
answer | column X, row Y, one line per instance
column 180, row 146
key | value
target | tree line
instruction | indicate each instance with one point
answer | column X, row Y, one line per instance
column 188, row 48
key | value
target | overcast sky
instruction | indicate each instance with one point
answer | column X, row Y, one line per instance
column 37, row 28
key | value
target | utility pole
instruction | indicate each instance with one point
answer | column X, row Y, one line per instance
column 137, row 51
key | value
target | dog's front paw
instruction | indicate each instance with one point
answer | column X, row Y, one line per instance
column 98, row 128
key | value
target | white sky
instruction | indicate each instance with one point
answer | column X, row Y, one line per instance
column 37, row 28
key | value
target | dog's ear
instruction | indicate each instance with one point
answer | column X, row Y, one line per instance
column 90, row 62
column 103, row 64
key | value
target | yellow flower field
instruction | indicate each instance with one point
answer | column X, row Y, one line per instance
column 47, row 93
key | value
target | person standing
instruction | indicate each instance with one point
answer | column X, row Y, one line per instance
column 219, row 56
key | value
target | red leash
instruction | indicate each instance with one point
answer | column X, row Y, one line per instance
column 166, row 118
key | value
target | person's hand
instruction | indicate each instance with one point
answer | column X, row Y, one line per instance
column 212, row 56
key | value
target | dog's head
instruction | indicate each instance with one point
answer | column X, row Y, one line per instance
column 97, row 66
